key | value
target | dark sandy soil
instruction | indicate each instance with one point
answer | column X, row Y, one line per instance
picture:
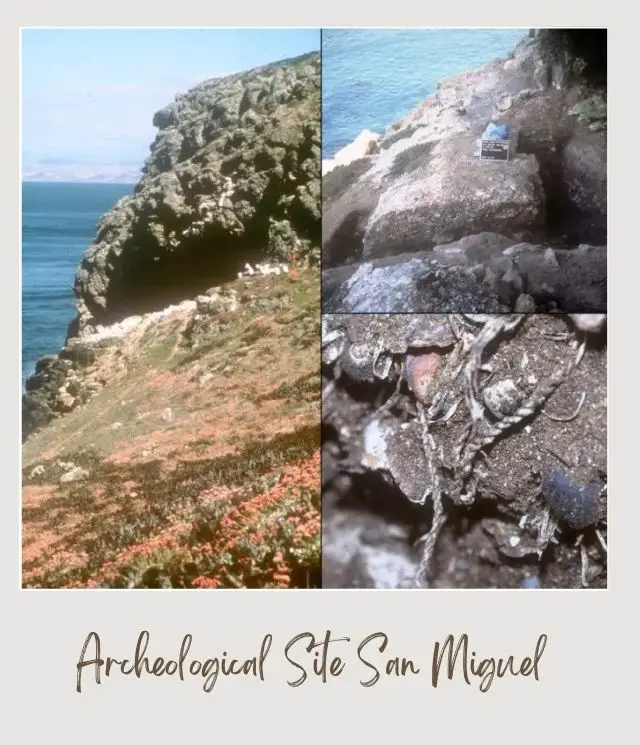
column 526, row 510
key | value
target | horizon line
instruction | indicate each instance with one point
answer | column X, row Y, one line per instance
column 77, row 181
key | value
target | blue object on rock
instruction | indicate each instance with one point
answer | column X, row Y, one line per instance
column 496, row 132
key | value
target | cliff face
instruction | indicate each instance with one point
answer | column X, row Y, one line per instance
column 174, row 440
column 424, row 196
column 233, row 176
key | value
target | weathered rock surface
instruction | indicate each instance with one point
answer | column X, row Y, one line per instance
column 426, row 187
column 366, row 143
column 103, row 356
column 484, row 273
column 233, row 175
column 88, row 363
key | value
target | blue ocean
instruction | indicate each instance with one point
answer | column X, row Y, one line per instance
column 372, row 77
column 58, row 224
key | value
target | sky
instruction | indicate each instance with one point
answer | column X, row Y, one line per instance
column 89, row 95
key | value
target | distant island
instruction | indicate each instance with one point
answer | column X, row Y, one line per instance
column 72, row 176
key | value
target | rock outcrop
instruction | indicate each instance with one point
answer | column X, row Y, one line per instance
column 233, row 176
column 483, row 273
column 366, row 143
column 427, row 187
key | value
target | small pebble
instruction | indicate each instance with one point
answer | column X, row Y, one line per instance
column 75, row 474
column 502, row 397
column 525, row 304
column 578, row 505
column 420, row 373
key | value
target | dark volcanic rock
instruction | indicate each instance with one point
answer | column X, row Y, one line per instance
column 233, row 175
column 46, row 396
column 344, row 222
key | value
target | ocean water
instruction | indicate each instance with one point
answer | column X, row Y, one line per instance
column 58, row 224
column 372, row 77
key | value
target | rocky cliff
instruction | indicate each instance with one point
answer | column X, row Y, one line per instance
column 233, row 175
column 174, row 440
column 453, row 232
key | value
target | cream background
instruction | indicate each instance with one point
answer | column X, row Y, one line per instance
column 589, row 665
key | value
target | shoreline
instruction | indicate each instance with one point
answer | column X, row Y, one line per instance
column 29, row 266
column 522, row 233
column 369, row 124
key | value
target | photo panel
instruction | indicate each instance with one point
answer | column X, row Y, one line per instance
column 171, row 400
column 464, row 170
column 464, row 451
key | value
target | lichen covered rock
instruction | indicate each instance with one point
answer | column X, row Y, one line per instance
column 233, row 175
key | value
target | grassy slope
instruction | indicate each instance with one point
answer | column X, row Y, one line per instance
column 202, row 463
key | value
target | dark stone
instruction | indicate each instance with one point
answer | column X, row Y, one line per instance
column 45, row 362
column 165, row 118
column 575, row 504
column 36, row 413
column 82, row 354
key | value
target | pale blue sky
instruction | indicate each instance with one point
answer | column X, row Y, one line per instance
column 89, row 95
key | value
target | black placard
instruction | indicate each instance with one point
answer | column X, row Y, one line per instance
column 495, row 149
